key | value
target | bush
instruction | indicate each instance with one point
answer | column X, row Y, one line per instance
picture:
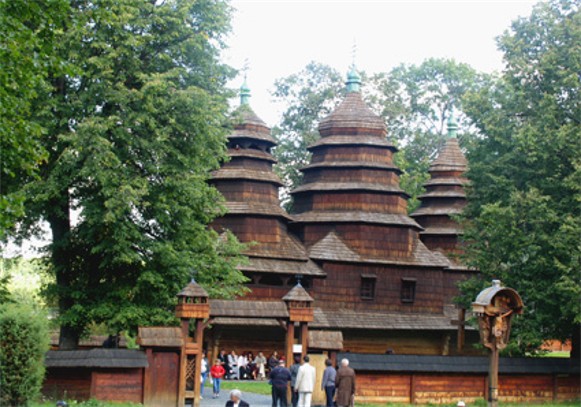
column 24, row 340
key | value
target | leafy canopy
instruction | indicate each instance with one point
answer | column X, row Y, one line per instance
column 524, row 202
column 132, row 134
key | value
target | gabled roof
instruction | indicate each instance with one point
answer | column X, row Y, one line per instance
column 332, row 248
column 160, row 336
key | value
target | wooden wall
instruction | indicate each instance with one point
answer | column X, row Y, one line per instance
column 73, row 383
column 122, row 385
column 348, row 201
column 449, row 388
column 247, row 191
column 342, row 288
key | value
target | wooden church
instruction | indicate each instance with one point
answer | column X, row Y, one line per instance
column 380, row 281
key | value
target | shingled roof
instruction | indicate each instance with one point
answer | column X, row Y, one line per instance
column 458, row 364
column 298, row 293
column 444, row 198
column 102, row 358
column 352, row 117
column 250, row 188
column 160, row 336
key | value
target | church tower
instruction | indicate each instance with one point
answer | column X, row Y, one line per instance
column 254, row 215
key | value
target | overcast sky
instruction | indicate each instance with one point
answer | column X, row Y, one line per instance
column 280, row 37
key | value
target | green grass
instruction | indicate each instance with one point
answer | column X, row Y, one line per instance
column 478, row 403
column 89, row 403
column 557, row 354
column 258, row 387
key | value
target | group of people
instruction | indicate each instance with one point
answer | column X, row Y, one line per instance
column 246, row 366
column 338, row 385
column 237, row 367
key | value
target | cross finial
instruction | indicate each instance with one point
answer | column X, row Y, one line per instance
column 244, row 89
column 353, row 53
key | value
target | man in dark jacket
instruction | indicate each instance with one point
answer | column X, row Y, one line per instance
column 279, row 378
column 345, row 385
column 236, row 399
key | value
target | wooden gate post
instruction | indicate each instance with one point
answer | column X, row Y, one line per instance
column 192, row 305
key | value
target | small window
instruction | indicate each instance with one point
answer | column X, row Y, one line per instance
column 367, row 288
column 270, row 279
column 408, row 290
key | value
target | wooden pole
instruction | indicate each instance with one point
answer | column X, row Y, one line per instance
column 493, row 377
column 461, row 328
column 198, row 365
column 290, row 340
column 304, row 338
column 183, row 363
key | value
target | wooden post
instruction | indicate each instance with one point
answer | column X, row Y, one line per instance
column 461, row 328
column 304, row 338
column 146, row 396
column 198, row 365
column 412, row 389
column 183, row 363
column 493, row 378
column 290, row 340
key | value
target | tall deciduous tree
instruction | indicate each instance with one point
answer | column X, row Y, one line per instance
column 526, row 175
column 29, row 31
column 132, row 135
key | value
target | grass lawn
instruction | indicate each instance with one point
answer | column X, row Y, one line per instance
column 258, row 387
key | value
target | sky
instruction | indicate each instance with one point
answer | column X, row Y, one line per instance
column 279, row 38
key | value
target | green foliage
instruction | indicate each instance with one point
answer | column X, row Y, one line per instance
column 28, row 32
column 26, row 278
column 523, row 208
column 415, row 101
column 23, row 343
column 133, row 133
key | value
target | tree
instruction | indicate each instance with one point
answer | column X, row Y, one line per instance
column 415, row 101
column 523, row 215
column 28, row 33
column 132, row 136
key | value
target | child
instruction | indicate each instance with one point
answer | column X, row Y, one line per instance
column 217, row 372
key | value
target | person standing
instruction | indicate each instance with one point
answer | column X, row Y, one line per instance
column 217, row 372
column 273, row 361
column 236, row 399
column 328, row 382
column 279, row 379
column 261, row 365
column 224, row 362
column 205, row 372
column 305, row 383
column 294, row 370
column 345, row 385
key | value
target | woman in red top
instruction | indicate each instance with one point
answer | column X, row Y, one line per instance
column 217, row 372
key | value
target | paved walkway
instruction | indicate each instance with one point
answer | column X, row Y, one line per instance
column 255, row 400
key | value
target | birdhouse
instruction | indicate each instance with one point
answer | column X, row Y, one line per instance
column 193, row 302
column 299, row 304
column 494, row 307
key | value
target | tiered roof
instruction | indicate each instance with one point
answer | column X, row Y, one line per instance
column 350, row 206
column 444, row 196
column 250, row 188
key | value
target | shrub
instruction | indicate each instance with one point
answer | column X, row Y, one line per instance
column 24, row 340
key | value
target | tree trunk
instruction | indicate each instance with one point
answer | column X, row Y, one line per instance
column 576, row 342
column 59, row 220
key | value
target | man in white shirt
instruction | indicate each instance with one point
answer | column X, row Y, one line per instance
column 305, row 383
